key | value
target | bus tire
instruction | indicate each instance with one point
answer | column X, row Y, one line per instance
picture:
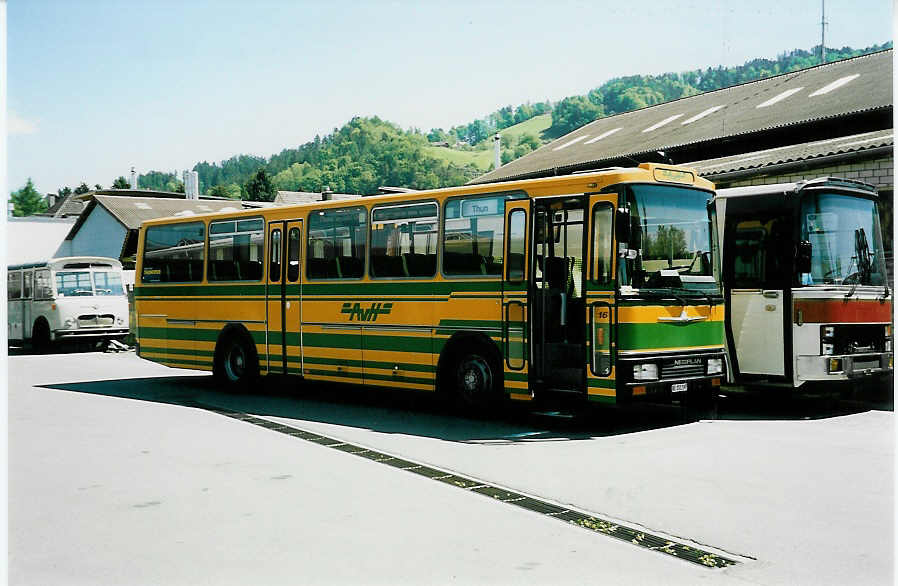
column 40, row 335
column 477, row 381
column 236, row 362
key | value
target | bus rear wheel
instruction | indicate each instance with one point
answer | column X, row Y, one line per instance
column 236, row 364
column 477, row 382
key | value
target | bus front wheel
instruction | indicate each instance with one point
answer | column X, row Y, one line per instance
column 236, row 364
column 40, row 335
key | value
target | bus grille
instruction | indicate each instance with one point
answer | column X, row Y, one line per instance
column 94, row 320
column 682, row 368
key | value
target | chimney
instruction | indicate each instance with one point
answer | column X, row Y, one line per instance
column 133, row 178
column 51, row 200
column 497, row 150
column 195, row 184
column 327, row 194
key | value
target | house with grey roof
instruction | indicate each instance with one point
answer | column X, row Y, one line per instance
column 109, row 224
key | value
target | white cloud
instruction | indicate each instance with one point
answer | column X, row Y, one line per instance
column 15, row 124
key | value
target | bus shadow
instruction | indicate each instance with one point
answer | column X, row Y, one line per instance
column 403, row 412
column 380, row 410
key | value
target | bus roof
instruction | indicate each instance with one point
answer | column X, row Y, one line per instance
column 796, row 186
column 62, row 262
column 577, row 183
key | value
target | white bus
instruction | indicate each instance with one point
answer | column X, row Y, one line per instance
column 72, row 298
column 807, row 295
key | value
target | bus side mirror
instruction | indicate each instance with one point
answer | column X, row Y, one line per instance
column 803, row 257
column 622, row 226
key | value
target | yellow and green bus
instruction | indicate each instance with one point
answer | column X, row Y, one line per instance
column 599, row 286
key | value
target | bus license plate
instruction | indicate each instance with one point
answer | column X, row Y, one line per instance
column 678, row 387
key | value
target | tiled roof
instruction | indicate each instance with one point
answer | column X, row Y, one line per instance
column 287, row 198
column 830, row 91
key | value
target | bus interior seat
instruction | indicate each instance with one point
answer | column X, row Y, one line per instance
column 388, row 266
column 420, row 265
column 350, row 267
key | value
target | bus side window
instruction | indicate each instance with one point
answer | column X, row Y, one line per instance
column 274, row 269
column 601, row 243
column 236, row 250
column 474, row 236
column 42, row 288
column 337, row 243
column 26, row 288
column 14, row 285
column 293, row 247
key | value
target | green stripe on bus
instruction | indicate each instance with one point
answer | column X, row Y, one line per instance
column 660, row 335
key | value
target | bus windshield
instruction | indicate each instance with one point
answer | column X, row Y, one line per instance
column 846, row 243
column 108, row 283
column 73, row 284
column 670, row 231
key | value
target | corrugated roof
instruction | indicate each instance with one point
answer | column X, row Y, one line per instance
column 712, row 168
column 861, row 84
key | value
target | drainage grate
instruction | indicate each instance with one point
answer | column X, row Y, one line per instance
column 590, row 522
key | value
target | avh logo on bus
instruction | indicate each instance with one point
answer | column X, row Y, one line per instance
column 355, row 311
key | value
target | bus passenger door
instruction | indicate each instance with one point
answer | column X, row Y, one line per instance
column 275, row 294
column 600, row 289
column 515, row 313
column 283, row 296
column 292, row 299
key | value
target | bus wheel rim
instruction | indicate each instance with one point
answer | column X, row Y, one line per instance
column 475, row 377
column 235, row 365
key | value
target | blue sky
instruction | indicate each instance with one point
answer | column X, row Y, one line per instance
column 95, row 87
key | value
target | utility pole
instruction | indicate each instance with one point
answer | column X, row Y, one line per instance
column 822, row 31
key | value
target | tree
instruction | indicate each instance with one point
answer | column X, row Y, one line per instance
column 228, row 190
column 98, row 186
column 572, row 113
column 83, row 188
column 259, row 187
column 64, row 191
column 27, row 201
column 121, row 183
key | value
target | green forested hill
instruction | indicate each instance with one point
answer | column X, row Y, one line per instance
column 369, row 152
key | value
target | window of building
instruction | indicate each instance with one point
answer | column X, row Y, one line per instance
column 337, row 239
column 174, row 253
column 404, row 240
column 236, row 250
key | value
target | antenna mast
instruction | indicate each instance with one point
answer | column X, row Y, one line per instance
column 823, row 31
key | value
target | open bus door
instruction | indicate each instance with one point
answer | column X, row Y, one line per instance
column 515, row 288
column 600, row 295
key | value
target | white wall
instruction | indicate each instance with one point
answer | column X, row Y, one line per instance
column 34, row 239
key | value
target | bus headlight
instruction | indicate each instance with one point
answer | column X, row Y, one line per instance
column 645, row 372
column 828, row 331
column 827, row 349
column 715, row 365
column 70, row 323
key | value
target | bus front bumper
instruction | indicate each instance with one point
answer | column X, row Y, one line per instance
column 843, row 366
column 106, row 333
